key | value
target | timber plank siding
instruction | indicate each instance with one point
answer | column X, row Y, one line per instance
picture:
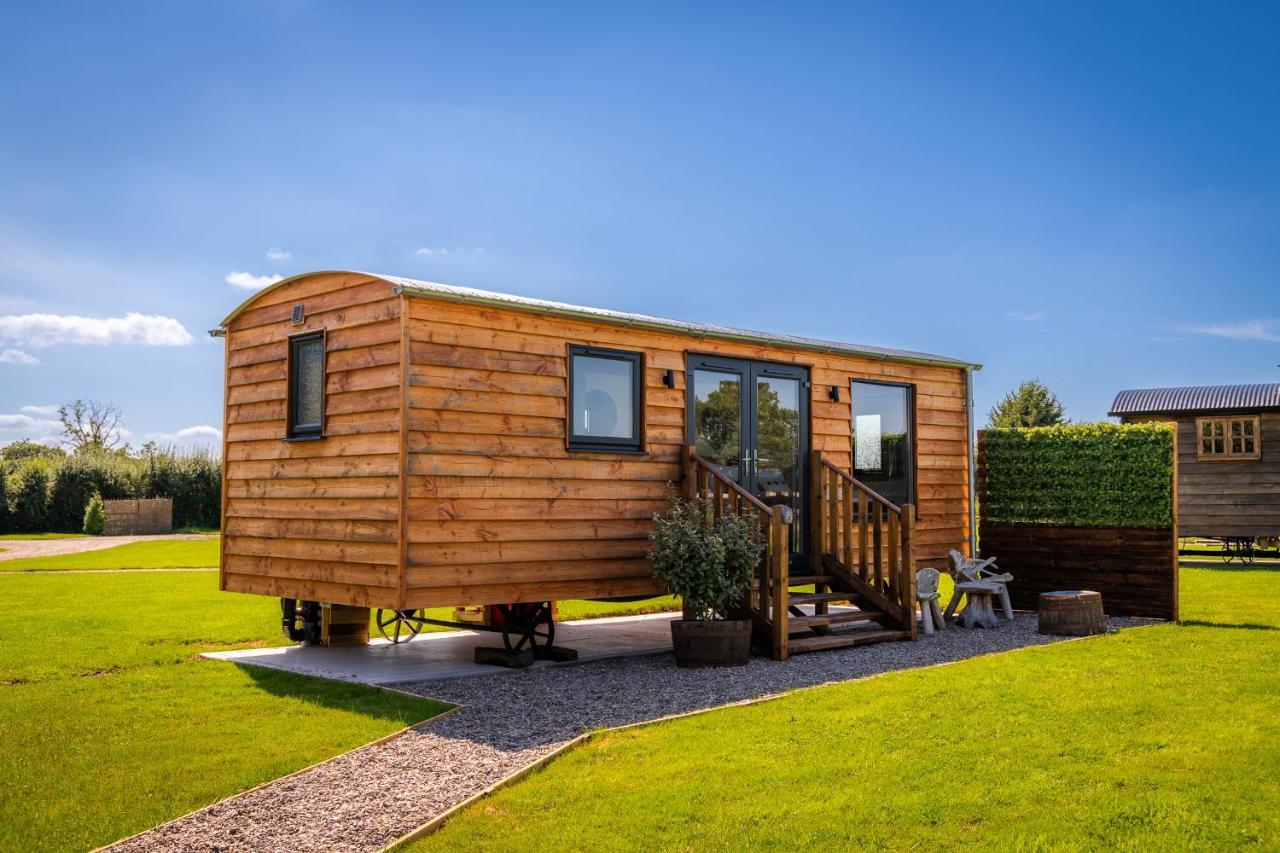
column 444, row 476
column 1225, row 498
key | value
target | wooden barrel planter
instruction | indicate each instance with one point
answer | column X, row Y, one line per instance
column 1072, row 613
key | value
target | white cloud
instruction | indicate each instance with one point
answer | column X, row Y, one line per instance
column 42, row 411
column 1028, row 316
column 200, row 435
column 24, row 426
column 249, row 281
column 44, row 330
column 441, row 252
column 17, row 356
column 275, row 253
column 1249, row 330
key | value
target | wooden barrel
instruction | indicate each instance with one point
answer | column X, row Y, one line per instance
column 1072, row 613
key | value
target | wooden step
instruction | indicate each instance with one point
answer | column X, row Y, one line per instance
column 796, row 645
column 840, row 617
column 806, row 580
column 816, row 597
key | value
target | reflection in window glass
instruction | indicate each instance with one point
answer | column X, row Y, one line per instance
column 605, row 405
column 717, row 419
column 310, row 367
column 602, row 390
column 882, row 438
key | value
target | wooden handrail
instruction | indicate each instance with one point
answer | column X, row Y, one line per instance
column 863, row 537
column 768, row 602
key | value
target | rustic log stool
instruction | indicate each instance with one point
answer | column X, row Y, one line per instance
column 1072, row 613
column 978, row 612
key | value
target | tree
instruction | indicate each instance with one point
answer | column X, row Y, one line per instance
column 1031, row 405
column 14, row 453
column 90, row 424
column 95, row 516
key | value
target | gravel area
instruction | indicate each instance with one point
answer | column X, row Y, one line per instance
column 368, row 797
column 17, row 549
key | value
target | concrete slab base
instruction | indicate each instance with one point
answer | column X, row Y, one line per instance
column 451, row 654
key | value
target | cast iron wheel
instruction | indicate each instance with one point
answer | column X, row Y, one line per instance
column 399, row 626
column 527, row 626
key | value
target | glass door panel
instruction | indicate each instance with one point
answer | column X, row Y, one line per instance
column 777, row 462
column 717, row 422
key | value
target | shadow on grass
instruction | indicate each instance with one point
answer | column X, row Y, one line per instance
column 360, row 699
column 1244, row 626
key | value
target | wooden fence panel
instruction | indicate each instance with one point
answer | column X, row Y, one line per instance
column 142, row 517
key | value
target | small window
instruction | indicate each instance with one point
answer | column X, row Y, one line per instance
column 306, row 386
column 882, row 441
column 1238, row 438
column 605, row 401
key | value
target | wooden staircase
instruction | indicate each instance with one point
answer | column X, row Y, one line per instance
column 860, row 542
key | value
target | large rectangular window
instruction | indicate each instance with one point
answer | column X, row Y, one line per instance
column 306, row 386
column 605, row 403
column 1233, row 438
column 882, row 439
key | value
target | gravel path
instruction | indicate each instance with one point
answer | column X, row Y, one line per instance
column 15, row 549
column 371, row 796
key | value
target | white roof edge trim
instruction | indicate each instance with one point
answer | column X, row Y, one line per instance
column 454, row 293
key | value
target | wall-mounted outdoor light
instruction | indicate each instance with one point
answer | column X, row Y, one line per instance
column 834, row 394
column 669, row 379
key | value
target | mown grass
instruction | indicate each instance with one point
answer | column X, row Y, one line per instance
column 37, row 536
column 110, row 723
column 1156, row 738
column 159, row 554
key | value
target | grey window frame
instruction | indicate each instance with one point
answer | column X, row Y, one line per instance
column 911, row 429
column 305, row 432
column 598, row 444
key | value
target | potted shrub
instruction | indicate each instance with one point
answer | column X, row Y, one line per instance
column 709, row 563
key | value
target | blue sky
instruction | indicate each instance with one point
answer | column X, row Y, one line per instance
column 1084, row 193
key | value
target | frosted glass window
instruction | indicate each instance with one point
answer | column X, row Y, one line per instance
column 306, row 386
column 604, row 399
column 867, row 441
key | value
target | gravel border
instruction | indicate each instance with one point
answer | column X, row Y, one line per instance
column 22, row 549
column 367, row 798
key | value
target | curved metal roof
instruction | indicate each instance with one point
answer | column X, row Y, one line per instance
column 1196, row 398
column 434, row 290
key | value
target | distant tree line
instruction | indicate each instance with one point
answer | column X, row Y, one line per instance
column 49, row 488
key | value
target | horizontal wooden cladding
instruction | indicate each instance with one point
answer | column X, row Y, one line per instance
column 531, row 446
column 342, row 509
column 557, row 530
column 383, row 465
column 486, row 574
column 450, row 486
column 348, row 445
column 348, row 403
column 336, row 382
column 330, row 529
column 342, row 298
column 313, row 549
column 519, row 552
column 354, row 424
column 313, row 487
column 530, row 332
column 525, row 509
column 503, row 467
column 276, row 365
column 339, row 339
column 1133, row 568
column 534, row 590
column 489, row 381
column 357, row 595
column 363, row 574
column 352, row 321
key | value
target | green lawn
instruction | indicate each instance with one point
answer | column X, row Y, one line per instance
column 109, row 723
column 1160, row 738
column 160, row 554
column 29, row 536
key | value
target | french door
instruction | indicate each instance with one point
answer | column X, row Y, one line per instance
column 750, row 419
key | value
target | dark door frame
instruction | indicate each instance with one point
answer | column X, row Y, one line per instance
column 750, row 370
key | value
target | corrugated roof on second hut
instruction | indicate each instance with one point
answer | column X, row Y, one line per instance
column 1196, row 398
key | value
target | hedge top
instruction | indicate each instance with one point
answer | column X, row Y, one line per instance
column 1095, row 475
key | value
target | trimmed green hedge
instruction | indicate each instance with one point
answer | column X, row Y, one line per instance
column 1095, row 475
